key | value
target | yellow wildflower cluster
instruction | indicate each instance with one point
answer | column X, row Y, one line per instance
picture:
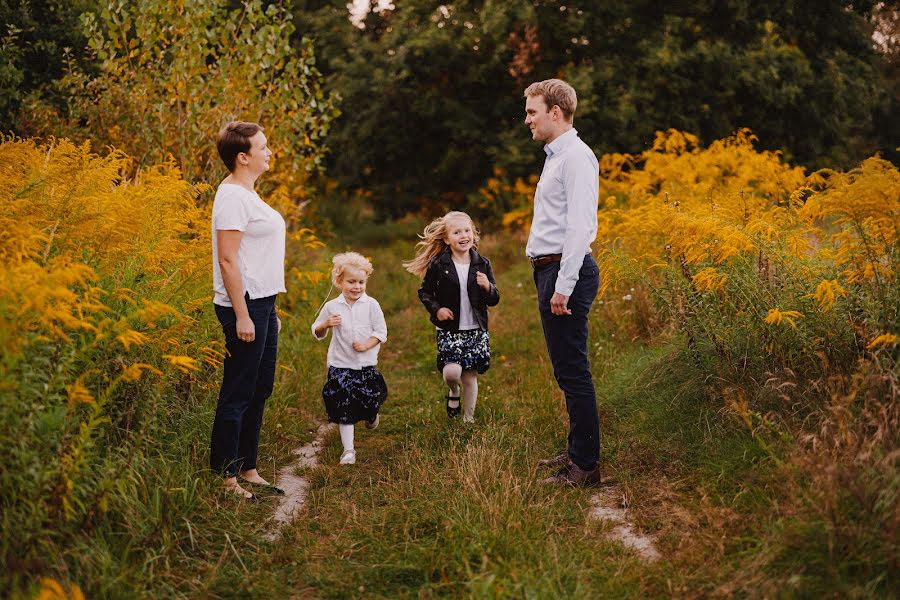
column 859, row 213
column 101, row 280
column 53, row 590
column 699, row 205
column 776, row 316
column 725, row 236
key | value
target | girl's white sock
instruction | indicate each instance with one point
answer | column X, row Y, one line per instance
column 346, row 436
column 469, row 395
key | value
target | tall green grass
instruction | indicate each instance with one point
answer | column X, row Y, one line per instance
column 439, row 509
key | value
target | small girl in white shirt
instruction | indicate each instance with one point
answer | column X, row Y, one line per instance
column 355, row 389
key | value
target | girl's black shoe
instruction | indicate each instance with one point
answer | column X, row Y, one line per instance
column 453, row 412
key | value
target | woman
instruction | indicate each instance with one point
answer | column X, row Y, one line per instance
column 248, row 271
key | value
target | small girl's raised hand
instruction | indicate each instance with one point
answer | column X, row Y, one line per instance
column 482, row 280
column 333, row 321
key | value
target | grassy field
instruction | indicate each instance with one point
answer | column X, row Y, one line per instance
column 437, row 508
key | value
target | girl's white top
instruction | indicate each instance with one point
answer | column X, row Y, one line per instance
column 261, row 253
column 466, row 314
column 359, row 322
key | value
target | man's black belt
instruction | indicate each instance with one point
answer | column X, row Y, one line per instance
column 540, row 261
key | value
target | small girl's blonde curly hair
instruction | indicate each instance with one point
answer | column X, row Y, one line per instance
column 349, row 260
column 433, row 242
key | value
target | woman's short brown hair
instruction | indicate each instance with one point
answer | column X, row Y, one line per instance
column 233, row 139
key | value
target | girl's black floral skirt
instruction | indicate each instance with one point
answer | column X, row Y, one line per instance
column 471, row 349
column 353, row 395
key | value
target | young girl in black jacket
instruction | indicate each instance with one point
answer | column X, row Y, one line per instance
column 457, row 287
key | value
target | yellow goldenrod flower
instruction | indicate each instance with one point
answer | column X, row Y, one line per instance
column 78, row 393
column 153, row 310
column 709, row 279
column 776, row 316
column 134, row 371
column 827, row 292
column 53, row 590
column 212, row 356
column 885, row 340
column 126, row 294
column 130, row 337
column 185, row 364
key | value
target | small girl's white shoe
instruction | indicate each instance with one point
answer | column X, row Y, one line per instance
column 348, row 457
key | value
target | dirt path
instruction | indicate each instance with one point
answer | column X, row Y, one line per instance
column 610, row 505
column 296, row 487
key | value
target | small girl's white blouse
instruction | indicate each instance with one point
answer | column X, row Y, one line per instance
column 359, row 322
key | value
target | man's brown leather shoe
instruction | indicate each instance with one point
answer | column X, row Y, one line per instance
column 560, row 460
column 572, row 474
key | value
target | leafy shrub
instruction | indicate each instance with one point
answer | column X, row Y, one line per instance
column 172, row 73
column 106, row 342
column 759, row 266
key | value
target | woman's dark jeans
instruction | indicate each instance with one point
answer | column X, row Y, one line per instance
column 567, row 343
column 248, row 381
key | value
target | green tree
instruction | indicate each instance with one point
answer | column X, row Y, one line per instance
column 36, row 37
column 432, row 93
column 171, row 74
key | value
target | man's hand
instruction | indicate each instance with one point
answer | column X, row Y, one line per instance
column 444, row 314
column 559, row 304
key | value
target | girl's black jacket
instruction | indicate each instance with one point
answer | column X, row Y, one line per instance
column 440, row 289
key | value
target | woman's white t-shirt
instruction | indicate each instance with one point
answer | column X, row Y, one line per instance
column 466, row 314
column 261, row 253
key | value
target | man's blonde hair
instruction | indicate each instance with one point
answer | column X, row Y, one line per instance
column 349, row 260
column 555, row 92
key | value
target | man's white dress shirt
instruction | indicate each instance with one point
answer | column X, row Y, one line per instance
column 565, row 207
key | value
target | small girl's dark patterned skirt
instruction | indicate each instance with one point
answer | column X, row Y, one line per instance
column 353, row 395
column 471, row 349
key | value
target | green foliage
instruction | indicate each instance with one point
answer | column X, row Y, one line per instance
column 37, row 37
column 171, row 74
column 10, row 76
column 433, row 95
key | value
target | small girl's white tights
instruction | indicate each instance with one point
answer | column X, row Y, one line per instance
column 346, row 436
column 456, row 378
column 469, row 395
column 452, row 377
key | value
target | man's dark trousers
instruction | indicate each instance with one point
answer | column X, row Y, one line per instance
column 567, row 343
column 247, row 383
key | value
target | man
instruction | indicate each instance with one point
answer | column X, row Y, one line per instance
column 565, row 273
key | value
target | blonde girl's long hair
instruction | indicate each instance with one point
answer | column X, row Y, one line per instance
column 433, row 243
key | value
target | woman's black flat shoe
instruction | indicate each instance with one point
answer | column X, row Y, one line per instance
column 267, row 487
column 251, row 498
column 453, row 412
